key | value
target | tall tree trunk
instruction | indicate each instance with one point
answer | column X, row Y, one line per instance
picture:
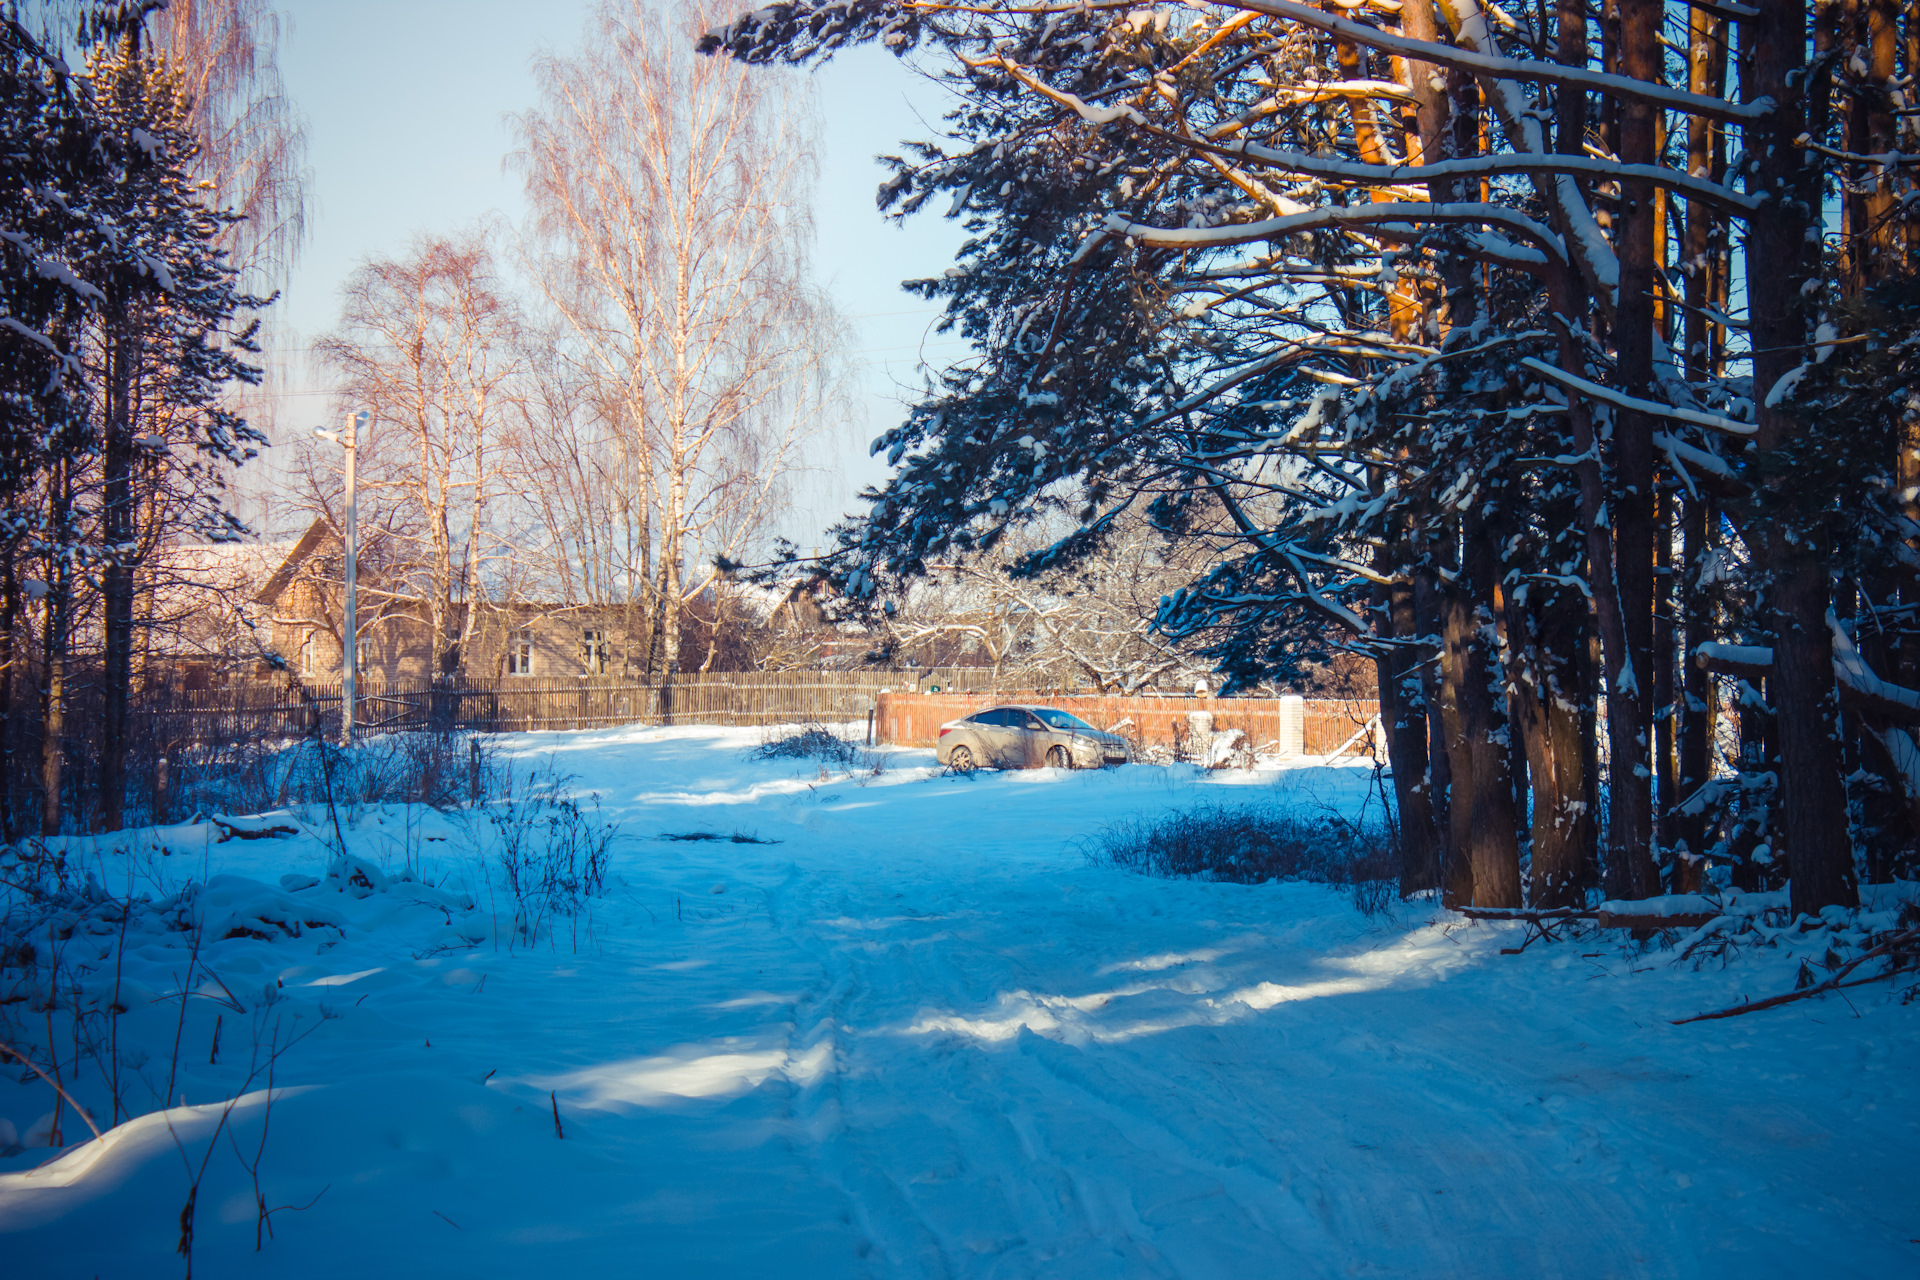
column 1547, row 703
column 1665, row 667
column 1698, row 703
column 11, row 793
column 1403, row 711
column 1756, row 760
column 1427, row 609
column 1630, row 866
column 1485, row 870
column 1780, row 259
column 1702, row 256
column 119, row 534
column 53, row 696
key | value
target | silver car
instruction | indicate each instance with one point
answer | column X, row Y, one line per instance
column 1026, row 737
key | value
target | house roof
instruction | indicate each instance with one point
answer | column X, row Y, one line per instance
column 202, row 595
column 309, row 542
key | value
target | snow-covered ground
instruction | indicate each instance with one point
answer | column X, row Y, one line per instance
column 918, row 1034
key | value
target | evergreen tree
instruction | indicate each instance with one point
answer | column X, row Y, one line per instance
column 164, row 350
column 1396, row 288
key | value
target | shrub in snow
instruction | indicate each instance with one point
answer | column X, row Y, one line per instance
column 443, row 771
column 814, row 742
column 550, row 849
column 1252, row 844
column 236, row 907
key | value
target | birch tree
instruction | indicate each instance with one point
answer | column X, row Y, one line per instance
column 429, row 345
column 670, row 228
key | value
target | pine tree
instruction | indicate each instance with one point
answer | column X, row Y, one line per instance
column 164, row 349
column 1433, row 301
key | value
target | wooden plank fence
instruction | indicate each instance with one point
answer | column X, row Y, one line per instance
column 1289, row 726
column 904, row 710
column 281, row 710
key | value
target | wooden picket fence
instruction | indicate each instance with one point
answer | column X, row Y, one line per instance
column 282, row 710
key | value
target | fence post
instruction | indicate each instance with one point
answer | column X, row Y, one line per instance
column 1293, row 726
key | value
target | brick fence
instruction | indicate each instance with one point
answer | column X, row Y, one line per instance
column 1288, row 726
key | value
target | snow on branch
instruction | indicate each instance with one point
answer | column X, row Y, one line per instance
column 1476, row 167
column 1636, row 404
column 1494, row 67
column 1856, row 679
column 1401, row 216
column 1748, row 661
column 1091, row 114
column 1859, row 679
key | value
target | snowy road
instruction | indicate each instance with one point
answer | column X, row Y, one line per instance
column 921, row 1037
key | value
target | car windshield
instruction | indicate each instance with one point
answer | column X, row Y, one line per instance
column 1061, row 720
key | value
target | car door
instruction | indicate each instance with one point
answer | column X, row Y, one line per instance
column 1030, row 739
column 982, row 735
column 1000, row 735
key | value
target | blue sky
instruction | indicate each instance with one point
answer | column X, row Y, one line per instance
column 406, row 104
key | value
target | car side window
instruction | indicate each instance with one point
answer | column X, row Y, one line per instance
column 1027, row 720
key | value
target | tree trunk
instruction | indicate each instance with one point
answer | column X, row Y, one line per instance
column 1630, row 867
column 1694, row 762
column 1403, row 712
column 1702, row 258
column 10, row 790
column 1779, row 260
column 53, row 706
column 1547, row 702
column 118, row 534
column 1485, row 868
column 1426, row 600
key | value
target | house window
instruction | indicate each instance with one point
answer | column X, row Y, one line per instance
column 306, row 654
column 593, row 652
column 520, row 653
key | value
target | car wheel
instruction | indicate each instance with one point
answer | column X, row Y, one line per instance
column 960, row 760
column 1058, row 758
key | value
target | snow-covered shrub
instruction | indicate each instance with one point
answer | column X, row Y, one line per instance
column 1252, row 844
column 63, row 986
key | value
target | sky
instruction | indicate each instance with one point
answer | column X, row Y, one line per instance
column 407, row 103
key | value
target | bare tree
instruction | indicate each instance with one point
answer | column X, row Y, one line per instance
column 669, row 233
column 428, row 344
column 253, row 144
column 1089, row 625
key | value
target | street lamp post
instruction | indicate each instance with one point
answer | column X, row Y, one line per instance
column 350, row 631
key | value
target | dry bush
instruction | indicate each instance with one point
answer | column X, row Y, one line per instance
column 552, row 849
column 1252, row 844
column 811, row 742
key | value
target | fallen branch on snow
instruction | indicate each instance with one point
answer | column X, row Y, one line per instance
column 1610, row 918
column 1892, row 946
